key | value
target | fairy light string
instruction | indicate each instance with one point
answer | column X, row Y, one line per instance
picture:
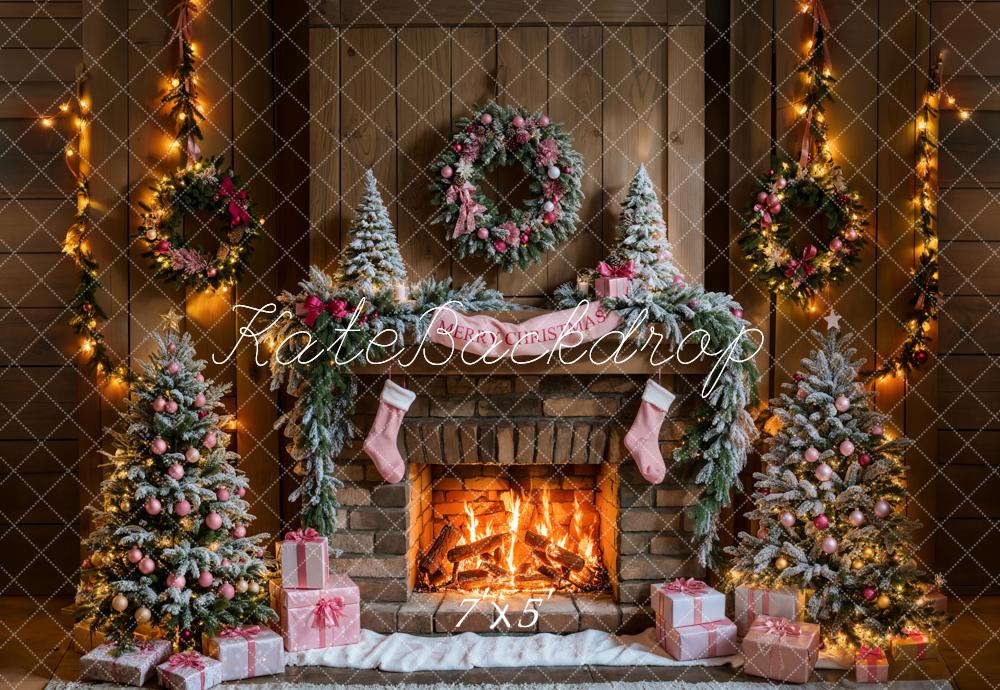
column 182, row 95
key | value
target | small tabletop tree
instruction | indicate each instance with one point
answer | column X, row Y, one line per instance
column 170, row 551
column 371, row 261
column 830, row 507
column 641, row 234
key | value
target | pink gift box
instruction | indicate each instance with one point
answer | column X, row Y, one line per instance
column 871, row 666
column 913, row 645
column 316, row 618
column 780, row 649
column 750, row 602
column 612, row 287
column 189, row 671
column 305, row 559
column 686, row 601
column 106, row 662
column 247, row 652
column 700, row 641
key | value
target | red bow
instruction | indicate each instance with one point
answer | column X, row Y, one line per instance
column 781, row 627
column 686, row 586
column 313, row 306
column 625, row 270
column 468, row 208
column 308, row 534
column 869, row 654
column 793, row 267
column 237, row 213
column 187, row 660
column 327, row 612
column 246, row 633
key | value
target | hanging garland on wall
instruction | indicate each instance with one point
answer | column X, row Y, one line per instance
column 496, row 136
column 814, row 182
column 201, row 186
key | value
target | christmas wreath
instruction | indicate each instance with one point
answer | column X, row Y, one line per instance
column 497, row 136
column 199, row 188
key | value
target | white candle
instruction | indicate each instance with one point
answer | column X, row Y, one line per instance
column 399, row 292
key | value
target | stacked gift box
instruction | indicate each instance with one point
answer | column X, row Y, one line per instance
column 691, row 620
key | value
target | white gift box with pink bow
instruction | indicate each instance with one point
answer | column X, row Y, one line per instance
column 305, row 559
column 686, row 601
column 189, row 671
column 317, row 618
column 247, row 652
column 614, row 280
column 750, row 602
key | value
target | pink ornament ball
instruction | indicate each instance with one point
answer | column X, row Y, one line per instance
column 877, row 430
column 222, row 493
column 182, row 508
column 518, row 121
column 846, row 447
column 781, row 183
column 153, row 506
column 738, row 313
column 227, row 591
column 158, row 446
column 171, row 406
column 486, row 119
column 200, row 378
column 851, row 234
column 173, row 368
column 199, row 400
column 210, row 440
column 241, row 492
column 856, row 517
column 159, row 404
column 134, row 555
column 213, row 520
column 762, row 197
column 787, row 519
column 882, row 508
column 202, row 414
column 824, row 472
column 482, row 233
column 829, row 545
column 678, row 279
column 864, row 459
column 176, row 471
column 457, row 147
column 836, row 245
column 812, row 454
column 171, row 348
column 177, row 581
column 549, row 218
column 772, row 199
column 225, row 563
column 239, row 531
column 146, row 566
column 868, row 593
column 821, row 522
column 762, row 533
column 842, row 403
column 447, row 172
column 802, row 393
column 211, row 272
column 543, row 121
column 775, row 209
column 151, row 235
column 192, row 455
column 500, row 246
column 205, row 579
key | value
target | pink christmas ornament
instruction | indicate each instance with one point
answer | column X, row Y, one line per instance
column 213, row 520
column 762, row 533
column 543, row 121
column 882, row 508
column 836, row 245
column 182, row 508
column 176, row 471
column 199, row 400
column 179, row 582
column 241, row 492
column 851, row 234
column 171, row 406
column 199, row 377
column 192, row 455
column 211, row 272
column 205, row 579
column 146, row 566
column 159, row 404
column 802, row 393
column 153, row 506
column 776, row 209
column 173, row 368
column 864, row 459
column 210, row 440
column 781, row 183
column 227, row 591
column 786, row 519
column 842, row 403
column 171, row 348
column 456, row 147
column 239, row 531
column 222, row 493
column 812, row 454
column 202, row 414
column 738, row 313
column 846, row 447
column 877, row 430
column 821, row 522
column 158, row 446
column 549, row 218
column 500, row 246
column 482, row 233
column 829, row 545
column 447, row 172
column 868, row 593
column 518, row 121
column 225, row 563
column 856, row 517
column 772, row 199
column 824, row 472
column 134, row 555
column 486, row 119
column 151, row 235
column 762, row 197
column 678, row 279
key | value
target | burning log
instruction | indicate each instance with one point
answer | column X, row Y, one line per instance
column 484, row 507
column 437, row 578
column 494, row 570
column 468, row 578
column 443, row 542
column 554, row 552
column 477, row 548
column 533, row 581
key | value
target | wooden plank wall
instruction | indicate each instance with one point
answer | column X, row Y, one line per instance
column 967, row 422
column 386, row 90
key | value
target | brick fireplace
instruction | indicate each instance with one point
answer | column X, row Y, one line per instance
column 550, row 444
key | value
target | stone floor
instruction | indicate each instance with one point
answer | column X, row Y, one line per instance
column 34, row 648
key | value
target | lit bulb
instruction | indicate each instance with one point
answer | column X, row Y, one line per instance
column 964, row 114
column 175, row 82
column 64, row 107
column 46, row 122
column 84, row 104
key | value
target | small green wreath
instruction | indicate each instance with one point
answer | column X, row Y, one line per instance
column 200, row 187
column 799, row 275
column 493, row 137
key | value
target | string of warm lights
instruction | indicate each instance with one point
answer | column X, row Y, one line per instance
column 182, row 94
column 915, row 349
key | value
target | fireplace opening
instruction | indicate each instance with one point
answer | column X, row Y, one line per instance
column 516, row 529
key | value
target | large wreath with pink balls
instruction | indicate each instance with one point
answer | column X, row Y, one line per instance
column 201, row 189
column 791, row 272
column 497, row 136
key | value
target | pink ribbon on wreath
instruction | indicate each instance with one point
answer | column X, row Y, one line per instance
column 804, row 264
column 326, row 614
column 188, row 660
column 625, row 270
column 237, row 198
column 309, row 310
column 247, row 634
column 468, row 208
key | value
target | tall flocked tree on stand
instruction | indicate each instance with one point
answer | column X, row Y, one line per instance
column 371, row 260
column 171, row 551
column 641, row 235
column 830, row 506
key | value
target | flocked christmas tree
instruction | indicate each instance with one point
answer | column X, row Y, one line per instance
column 641, row 234
column 170, row 551
column 830, row 507
column 371, row 260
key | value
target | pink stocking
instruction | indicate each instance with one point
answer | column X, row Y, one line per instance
column 643, row 439
column 381, row 444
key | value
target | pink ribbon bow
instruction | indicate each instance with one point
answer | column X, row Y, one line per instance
column 780, row 627
column 246, row 633
column 804, row 264
column 327, row 612
column 308, row 534
column 468, row 208
column 310, row 309
column 186, row 660
column 237, row 213
column 625, row 270
column 688, row 585
column 869, row 655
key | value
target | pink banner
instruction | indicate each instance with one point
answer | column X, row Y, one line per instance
column 540, row 335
